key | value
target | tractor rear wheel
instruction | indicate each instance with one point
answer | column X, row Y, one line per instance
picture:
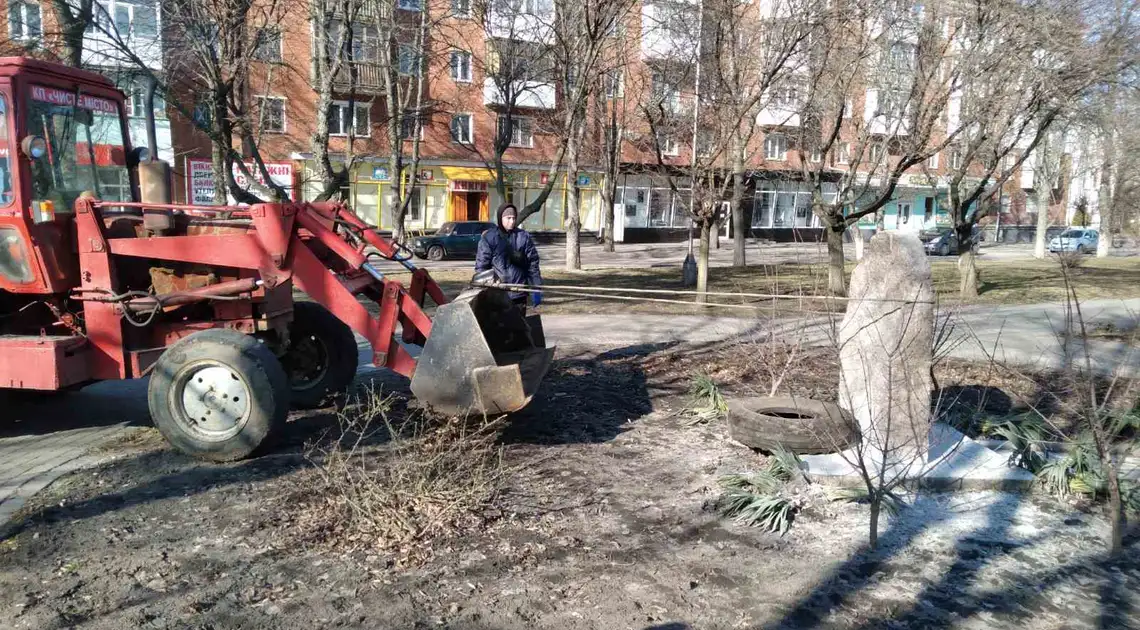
column 219, row 395
column 321, row 360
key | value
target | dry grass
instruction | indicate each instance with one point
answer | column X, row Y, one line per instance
column 1003, row 282
column 400, row 484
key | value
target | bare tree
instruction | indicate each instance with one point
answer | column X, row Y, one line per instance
column 336, row 44
column 75, row 18
column 1048, row 163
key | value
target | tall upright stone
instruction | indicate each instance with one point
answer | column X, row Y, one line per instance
column 886, row 348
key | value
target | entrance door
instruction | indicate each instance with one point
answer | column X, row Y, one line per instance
column 473, row 206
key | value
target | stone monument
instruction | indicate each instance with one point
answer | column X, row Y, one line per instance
column 886, row 348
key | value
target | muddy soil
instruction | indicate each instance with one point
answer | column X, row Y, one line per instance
column 607, row 523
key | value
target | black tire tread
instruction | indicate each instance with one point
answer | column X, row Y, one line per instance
column 267, row 379
column 829, row 428
column 343, row 354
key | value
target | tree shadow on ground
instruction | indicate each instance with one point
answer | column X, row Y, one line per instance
column 99, row 405
column 858, row 572
column 587, row 397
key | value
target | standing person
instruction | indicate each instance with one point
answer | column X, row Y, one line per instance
column 510, row 252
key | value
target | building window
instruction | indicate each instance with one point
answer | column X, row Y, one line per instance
column 928, row 209
column 271, row 114
column 136, row 101
column 25, row 21
column 409, row 60
column 667, row 143
column 932, row 162
column 955, row 159
column 415, row 202
column 816, row 156
column 135, row 20
column 705, row 141
column 461, row 8
column 461, row 130
column 665, row 92
column 904, row 211
column 892, row 104
column 848, row 107
column 775, row 147
column 342, row 118
column 409, row 125
column 615, row 84
column 409, row 5
column 843, row 153
column 461, row 66
column 901, row 57
column 521, row 131
column 785, row 97
column 267, row 44
column 876, row 153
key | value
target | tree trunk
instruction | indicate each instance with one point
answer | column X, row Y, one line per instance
column 574, row 200
column 836, row 274
column 1116, row 510
column 703, row 261
column 608, row 214
column 1040, row 240
column 857, row 236
column 876, row 506
column 218, row 159
column 968, row 272
column 739, row 230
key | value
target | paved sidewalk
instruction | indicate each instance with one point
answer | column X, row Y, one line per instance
column 29, row 463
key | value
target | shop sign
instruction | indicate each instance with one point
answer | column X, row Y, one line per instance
column 200, row 179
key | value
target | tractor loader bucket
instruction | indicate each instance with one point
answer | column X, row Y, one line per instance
column 482, row 356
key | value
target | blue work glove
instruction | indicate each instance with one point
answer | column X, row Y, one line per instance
column 537, row 298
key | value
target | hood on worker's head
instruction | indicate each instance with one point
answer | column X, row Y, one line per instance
column 499, row 215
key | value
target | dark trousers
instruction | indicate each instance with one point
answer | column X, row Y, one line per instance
column 520, row 303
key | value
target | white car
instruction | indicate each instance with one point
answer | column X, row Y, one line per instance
column 1080, row 241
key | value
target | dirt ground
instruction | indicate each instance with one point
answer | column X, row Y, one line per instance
column 606, row 522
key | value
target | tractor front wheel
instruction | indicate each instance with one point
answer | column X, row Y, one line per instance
column 321, row 359
column 218, row 395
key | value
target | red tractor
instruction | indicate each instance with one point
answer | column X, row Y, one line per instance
column 101, row 278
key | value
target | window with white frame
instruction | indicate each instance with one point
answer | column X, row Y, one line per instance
column 343, row 119
column 776, row 147
column 461, row 66
column 408, row 60
column 409, row 5
column 668, row 144
column 136, row 101
column 901, row 57
column 955, row 159
column 665, row 92
column 410, row 126
column 932, row 162
column 705, row 140
column 135, row 20
column 267, row 44
column 843, row 153
column 875, row 153
column 461, row 128
column 848, row 107
column 615, row 84
column 904, row 211
column 461, row 8
column 521, row 131
column 415, row 203
column 785, row 96
column 816, row 155
column 271, row 114
column 892, row 104
column 25, row 21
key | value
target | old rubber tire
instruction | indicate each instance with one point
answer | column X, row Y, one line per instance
column 218, row 395
column 436, row 253
column 321, row 360
column 800, row 425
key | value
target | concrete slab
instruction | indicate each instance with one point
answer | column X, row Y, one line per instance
column 955, row 462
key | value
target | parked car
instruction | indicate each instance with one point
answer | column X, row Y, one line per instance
column 454, row 239
column 1081, row 241
column 944, row 241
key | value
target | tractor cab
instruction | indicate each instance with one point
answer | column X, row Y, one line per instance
column 62, row 134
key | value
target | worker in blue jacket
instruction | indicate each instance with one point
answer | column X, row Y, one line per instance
column 510, row 252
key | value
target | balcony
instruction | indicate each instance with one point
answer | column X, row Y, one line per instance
column 669, row 31
column 521, row 20
column 885, row 113
column 528, row 94
column 369, row 77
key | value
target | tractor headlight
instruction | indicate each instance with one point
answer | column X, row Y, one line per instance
column 34, row 147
